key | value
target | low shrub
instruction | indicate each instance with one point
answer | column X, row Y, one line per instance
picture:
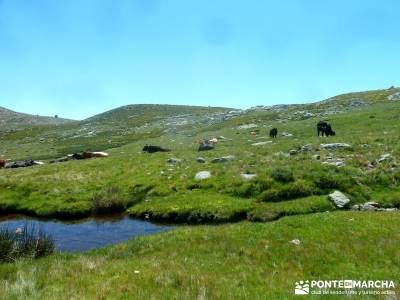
column 24, row 242
column 289, row 191
column 252, row 188
column 282, row 175
column 109, row 200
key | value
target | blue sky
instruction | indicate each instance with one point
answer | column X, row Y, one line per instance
column 77, row 58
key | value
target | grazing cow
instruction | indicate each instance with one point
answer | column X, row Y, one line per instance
column 153, row 149
column 87, row 154
column 206, row 145
column 325, row 128
column 83, row 155
column 273, row 132
column 2, row 163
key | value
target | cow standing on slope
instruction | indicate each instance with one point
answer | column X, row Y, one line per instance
column 324, row 128
column 273, row 132
column 2, row 163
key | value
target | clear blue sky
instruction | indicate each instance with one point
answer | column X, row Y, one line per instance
column 76, row 58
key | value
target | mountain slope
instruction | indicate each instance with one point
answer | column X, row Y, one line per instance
column 11, row 120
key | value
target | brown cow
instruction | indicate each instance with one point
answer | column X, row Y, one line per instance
column 87, row 154
column 2, row 163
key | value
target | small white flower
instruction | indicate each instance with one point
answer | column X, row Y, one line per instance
column 136, row 272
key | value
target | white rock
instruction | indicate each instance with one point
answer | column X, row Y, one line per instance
column 202, row 175
column 384, row 157
column 287, row 134
column 261, row 143
column 335, row 146
column 339, row 199
column 295, row 241
column 247, row 126
column 395, row 96
column 247, row 177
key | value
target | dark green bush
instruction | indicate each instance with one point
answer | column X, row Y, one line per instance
column 289, row 191
column 282, row 175
column 252, row 188
column 327, row 182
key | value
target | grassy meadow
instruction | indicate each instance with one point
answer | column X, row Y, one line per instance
column 233, row 241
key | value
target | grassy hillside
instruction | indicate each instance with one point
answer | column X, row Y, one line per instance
column 11, row 120
column 128, row 176
column 252, row 257
column 108, row 130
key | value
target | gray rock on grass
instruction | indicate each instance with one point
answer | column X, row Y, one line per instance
column 339, row 199
column 202, row 175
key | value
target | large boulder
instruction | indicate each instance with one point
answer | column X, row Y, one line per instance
column 339, row 199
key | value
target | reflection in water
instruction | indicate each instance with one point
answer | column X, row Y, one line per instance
column 86, row 234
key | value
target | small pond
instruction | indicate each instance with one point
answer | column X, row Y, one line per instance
column 88, row 233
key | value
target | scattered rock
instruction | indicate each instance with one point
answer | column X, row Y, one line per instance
column 293, row 152
column 316, row 157
column 295, row 241
column 247, row 177
column 287, row 134
column 282, row 154
column 247, row 126
column 200, row 160
column 306, row 148
column 202, row 175
column 338, row 162
column 173, row 160
column 339, row 199
column 384, row 157
column 394, row 97
column 261, row 143
column 368, row 206
column 222, row 159
column 334, row 146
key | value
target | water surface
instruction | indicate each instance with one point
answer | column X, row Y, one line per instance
column 86, row 234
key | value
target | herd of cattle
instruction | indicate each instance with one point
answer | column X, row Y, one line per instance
column 323, row 128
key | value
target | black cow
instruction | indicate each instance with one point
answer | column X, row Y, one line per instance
column 153, row 149
column 273, row 132
column 325, row 128
column 206, row 145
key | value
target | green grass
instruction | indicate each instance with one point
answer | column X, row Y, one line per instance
column 193, row 207
column 248, row 259
column 233, row 261
column 79, row 188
